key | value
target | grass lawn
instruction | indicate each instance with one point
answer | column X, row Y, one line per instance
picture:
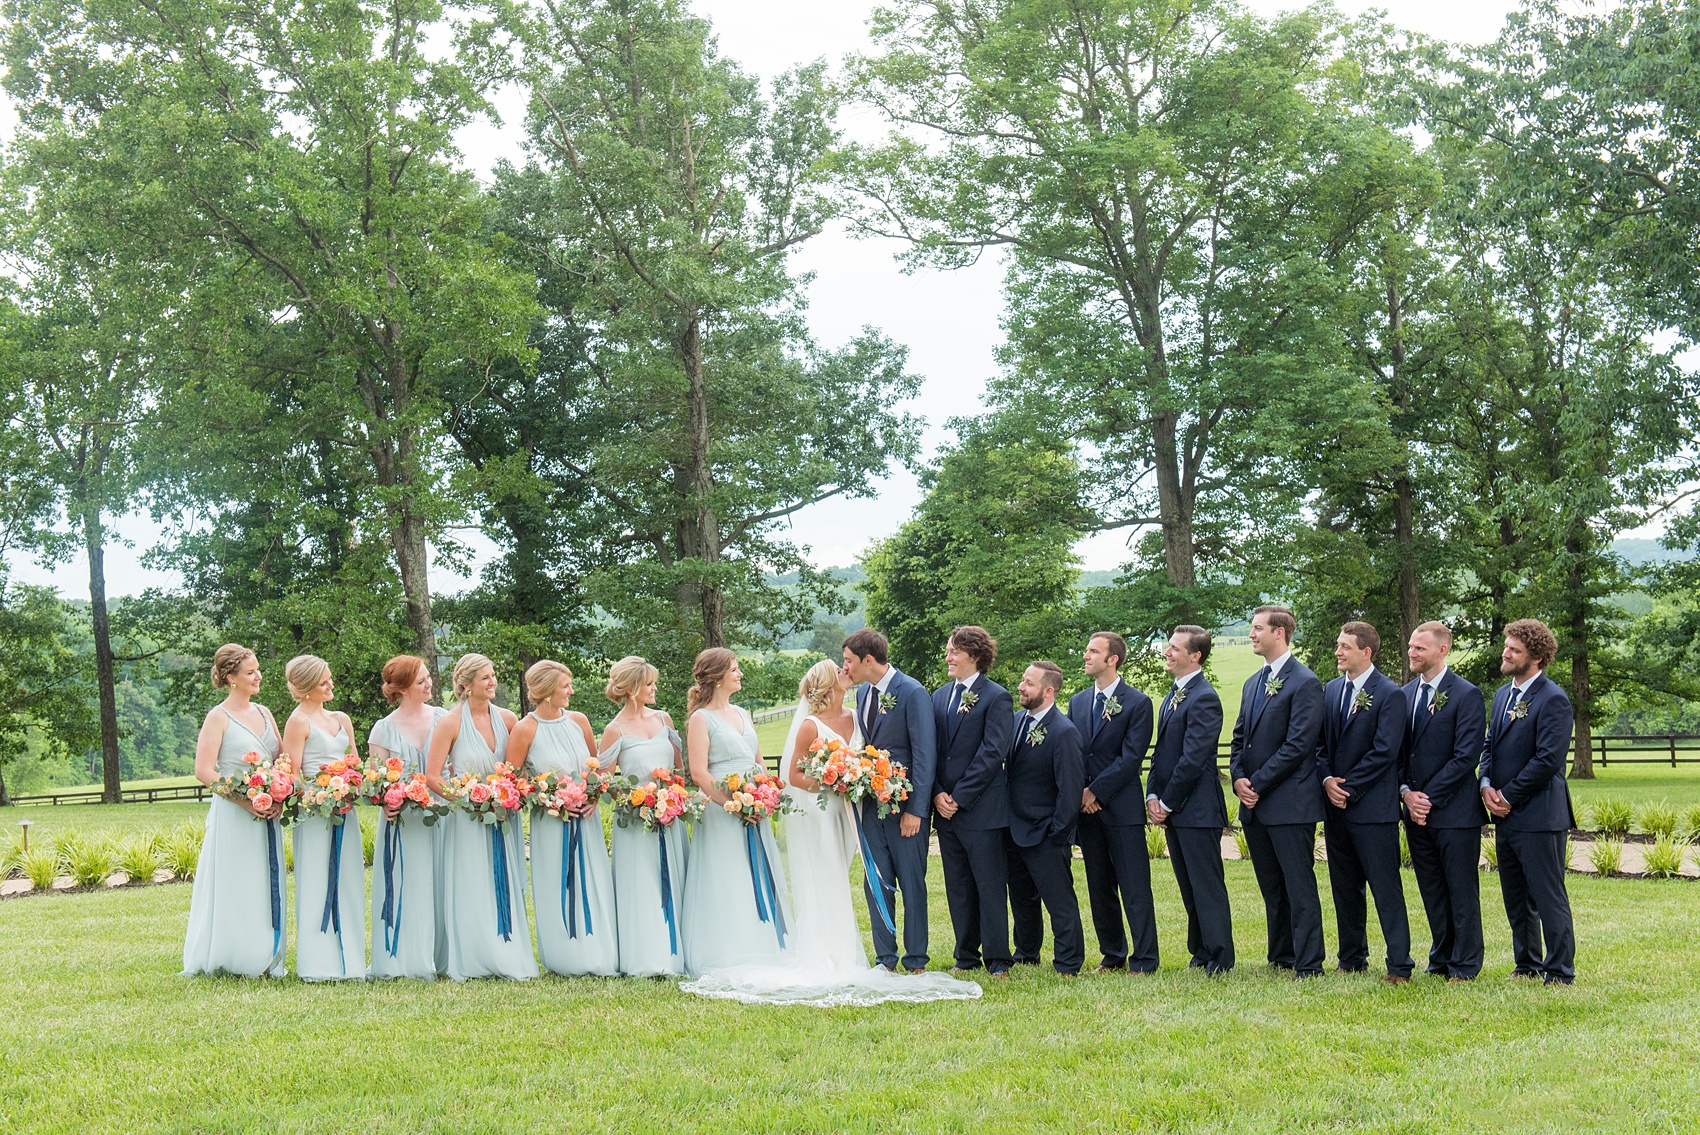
column 98, row 1033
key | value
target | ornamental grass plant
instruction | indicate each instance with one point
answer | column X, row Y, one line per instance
column 91, row 862
column 139, row 856
column 1156, row 842
column 180, row 850
column 1612, row 815
column 40, row 866
column 1665, row 855
column 1658, row 819
column 1606, row 855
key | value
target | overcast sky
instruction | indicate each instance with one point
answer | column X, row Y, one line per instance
column 948, row 320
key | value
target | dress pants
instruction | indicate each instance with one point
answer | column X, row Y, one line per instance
column 1444, row 861
column 976, row 884
column 1531, row 875
column 1197, row 857
column 1284, row 859
column 1360, row 854
column 901, row 862
column 1118, row 880
column 1045, row 873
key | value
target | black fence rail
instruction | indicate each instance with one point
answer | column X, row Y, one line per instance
column 125, row 796
column 1671, row 748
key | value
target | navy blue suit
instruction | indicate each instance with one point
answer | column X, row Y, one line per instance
column 1443, row 747
column 1362, row 746
column 1183, row 778
column 1112, row 839
column 905, row 730
column 972, row 742
column 1524, row 759
column 1275, row 748
column 1045, row 783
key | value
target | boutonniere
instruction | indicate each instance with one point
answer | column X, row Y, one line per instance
column 1177, row 697
column 970, row 699
column 1520, row 711
column 1273, row 686
column 1037, row 736
column 888, row 702
column 1439, row 700
column 1111, row 706
column 1363, row 701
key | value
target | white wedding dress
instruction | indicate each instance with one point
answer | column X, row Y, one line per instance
column 824, row 964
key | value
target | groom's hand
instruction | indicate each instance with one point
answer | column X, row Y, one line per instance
column 909, row 825
column 944, row 805
column 1088, row 802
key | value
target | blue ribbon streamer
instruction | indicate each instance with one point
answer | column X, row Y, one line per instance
column 761, row 879
column 277, row 887
column 877, row 886
column 332, row 917
column 573, row 890
column 392, row 897
column 499, row 872
column 667, row 896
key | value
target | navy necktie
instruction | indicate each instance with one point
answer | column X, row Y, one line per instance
column 955, row 699
column 1422, row 703
column 873, row 712
column 1259, row 691
column 1097, row 713
column 1169, row 702
column 1346, row 703
column 1021, row 735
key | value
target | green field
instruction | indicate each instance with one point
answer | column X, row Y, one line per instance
column 99, row 1034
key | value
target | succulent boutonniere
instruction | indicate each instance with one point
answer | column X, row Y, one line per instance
column 888, row 702
column 1177, row 697
column 1037, row 736
column 1439, row 700
column 1273, row 686
column 1111, row 706
column 1520, row 711
column 1363, row 701
column 970, row 699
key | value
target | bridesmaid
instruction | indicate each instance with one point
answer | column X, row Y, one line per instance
column 236, row 920
column 572, row 888
column 649, row 867
column 484, row 928
column 722, row 925
column 330, row 866
column 404, row 870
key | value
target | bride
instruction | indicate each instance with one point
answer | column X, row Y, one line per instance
column 825, row 963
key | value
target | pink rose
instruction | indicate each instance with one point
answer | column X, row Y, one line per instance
column 395, row 796
column 262, row 802
column 480, row 793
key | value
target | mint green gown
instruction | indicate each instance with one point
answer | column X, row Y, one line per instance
column 483, row 864
column 404, row 875
column 330, row 880
column 722, row 923
column 576, row 926
column 650, row 902
column 236, row 911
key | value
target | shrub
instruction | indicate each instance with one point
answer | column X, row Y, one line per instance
column 368, row 839
column 65, row 845
column 1404, row 848
column 41, row 866
column 1156, row 842
column 1606, row 855
column 91, row 862
column 139, row 857
column 1665, row 855
column 1612, row 815
column 1657, row 819
column 1569, row 853
column 11, row 856
column 1689, row 828
column 1490, row 852
column 1240, row 845
column 181, row 850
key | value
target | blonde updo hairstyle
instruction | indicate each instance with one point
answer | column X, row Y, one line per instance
column 707, row 673
column 819, row 687
column 543, row 678
column 628, row 677
column 304, row 673
column 227, row 662
column 466, row 670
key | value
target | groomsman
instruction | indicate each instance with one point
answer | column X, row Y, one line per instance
column 1184, row 795
column 1273, row 765
column 1046, row 777
column 973, row 718
column 896, row 714
column 1114, row 722
column 1363, row 731
column 1443, row 813
column 1524, row 789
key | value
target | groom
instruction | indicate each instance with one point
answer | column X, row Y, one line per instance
column 896, row 714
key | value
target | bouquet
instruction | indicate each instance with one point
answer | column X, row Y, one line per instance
column 857, row 774
column 334, row 789
column 754, row 796
column 567, row 795
column 491, row 798
column 261, row 782
column 658, row 802
column 386, row 784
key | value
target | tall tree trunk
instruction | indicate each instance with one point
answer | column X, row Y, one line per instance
column 413, row 560
column 5, row 796
column 702, row 527
column 1404, row 545
column 1174, row 509
column 94, row 542
column 1581, row 692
